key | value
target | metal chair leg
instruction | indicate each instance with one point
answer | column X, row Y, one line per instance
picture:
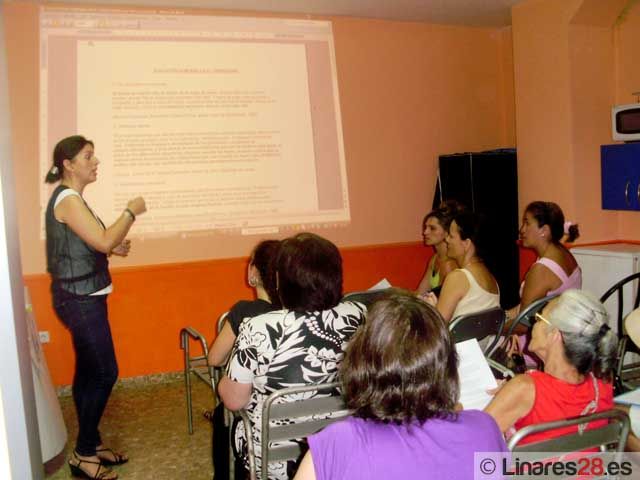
column 184, row 344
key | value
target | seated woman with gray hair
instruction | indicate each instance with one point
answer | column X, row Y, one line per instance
column 572, row 337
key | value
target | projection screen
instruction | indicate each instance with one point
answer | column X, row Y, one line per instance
column 225, row 125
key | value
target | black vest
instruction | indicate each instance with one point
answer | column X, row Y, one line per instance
column 74, row 265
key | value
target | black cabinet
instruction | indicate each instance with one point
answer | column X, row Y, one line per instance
column 620, row 167
column 487, row 182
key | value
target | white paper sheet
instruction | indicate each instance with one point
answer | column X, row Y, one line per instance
column 475, row 376
column 381, row 285
column 629, row 398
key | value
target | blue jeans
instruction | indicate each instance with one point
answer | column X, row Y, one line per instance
column 96, row 368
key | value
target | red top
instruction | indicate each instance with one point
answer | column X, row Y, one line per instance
column 557, row 400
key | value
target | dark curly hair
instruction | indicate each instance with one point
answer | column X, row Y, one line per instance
column 549, row 213
column 401, row 365
column 445, row 213
column 264, row 258
column 309, row 273
column 477, row 228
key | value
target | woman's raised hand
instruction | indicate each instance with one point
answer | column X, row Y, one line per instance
column 428, row 297
column 122, row 250
column 137, row 206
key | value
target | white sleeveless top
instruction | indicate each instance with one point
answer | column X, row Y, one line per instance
column 476, row 298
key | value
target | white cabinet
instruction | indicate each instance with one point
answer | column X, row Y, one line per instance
column 604, row 265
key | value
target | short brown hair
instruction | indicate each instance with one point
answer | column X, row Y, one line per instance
column 401, row 365
column 309, row 273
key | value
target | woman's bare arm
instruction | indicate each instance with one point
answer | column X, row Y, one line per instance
column 512, row 402
column 221, row 347
column 73, row 211
column 454, row 288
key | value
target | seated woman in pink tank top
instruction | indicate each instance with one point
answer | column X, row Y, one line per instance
column 556, row 270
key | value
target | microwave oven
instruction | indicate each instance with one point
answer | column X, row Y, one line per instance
column 625, row 122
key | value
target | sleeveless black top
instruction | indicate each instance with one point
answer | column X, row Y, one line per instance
column 74, row 265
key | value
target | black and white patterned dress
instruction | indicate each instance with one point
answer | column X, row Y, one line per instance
column 284, row 349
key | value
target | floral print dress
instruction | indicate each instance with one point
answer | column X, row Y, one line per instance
column 284, row 349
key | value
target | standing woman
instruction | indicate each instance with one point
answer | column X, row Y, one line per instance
column 434, row 231
column 78, row 244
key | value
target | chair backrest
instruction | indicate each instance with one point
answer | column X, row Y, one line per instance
column 632, row 301
column 613, row 433
column 499, row 370
column 525, row 317
column 632, row 326
column 304, row 416
column 366, row 297
column 479, row 325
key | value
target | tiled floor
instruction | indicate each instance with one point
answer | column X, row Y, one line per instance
column 147, row 420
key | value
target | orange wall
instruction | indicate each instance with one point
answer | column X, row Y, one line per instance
column 150, row 305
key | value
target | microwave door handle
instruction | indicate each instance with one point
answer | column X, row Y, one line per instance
column 626, row 193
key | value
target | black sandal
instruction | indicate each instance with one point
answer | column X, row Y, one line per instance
column 101, row 472
column 119, row 459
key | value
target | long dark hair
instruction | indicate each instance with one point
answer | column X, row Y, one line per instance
column 401, row 365
column 445, row 213
column 475, row 227
column 65, row 149
column 264, row 258
column 549, row 213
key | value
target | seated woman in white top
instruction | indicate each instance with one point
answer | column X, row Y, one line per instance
column 471, row 287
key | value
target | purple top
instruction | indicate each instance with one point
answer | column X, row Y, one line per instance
column 363, row 449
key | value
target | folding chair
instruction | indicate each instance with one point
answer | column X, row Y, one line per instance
column 479, row 325
column 499, row 369
column 307, row 416
column 525, row 317
column 198, row 365
column 626, row 301
column 611, row 437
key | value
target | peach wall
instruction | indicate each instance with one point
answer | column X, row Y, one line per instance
column 150, row 305
column 508, row 106
column 591, row 69
column 542, row 98
column 408, row 92
column 569, row 63
column 627, row 80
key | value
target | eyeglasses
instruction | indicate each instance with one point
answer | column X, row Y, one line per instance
column 540, row 317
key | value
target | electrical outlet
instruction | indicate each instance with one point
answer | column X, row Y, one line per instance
column 44, row 337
